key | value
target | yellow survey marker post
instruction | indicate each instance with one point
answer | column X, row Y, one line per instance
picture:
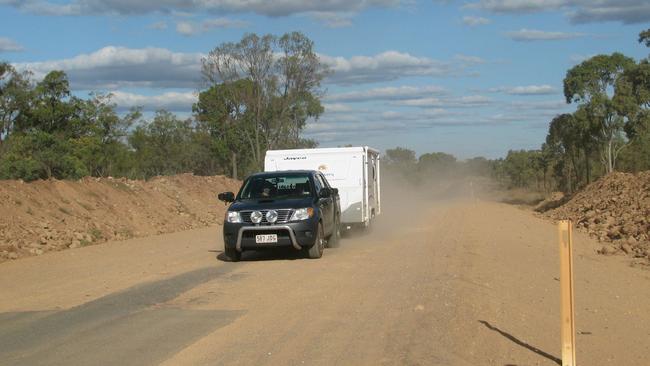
column 566, row 294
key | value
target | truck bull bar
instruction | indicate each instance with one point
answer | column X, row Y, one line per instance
column 244, row 229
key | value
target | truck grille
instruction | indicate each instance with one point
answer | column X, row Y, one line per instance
column 283, row 216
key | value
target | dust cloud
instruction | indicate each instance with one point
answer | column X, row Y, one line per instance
column 405, row 202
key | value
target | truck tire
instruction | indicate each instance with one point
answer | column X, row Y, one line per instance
column 232, row 254
column 316, row 250
column 334, row 240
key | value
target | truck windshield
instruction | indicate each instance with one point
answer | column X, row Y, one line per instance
column 277, row 187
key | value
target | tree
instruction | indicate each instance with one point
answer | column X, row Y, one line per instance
column 100, row 134
column 591, row 84
column 563, row 142
column 519, row 166
column 15, row 92
column 478, row 166
column 437, row 163
column 284, row 75
column 644, row 37
column 223, row 114
column 37, row 154
column 400, row 156
column 164, row 146
column 632, row 100
column 52, row 109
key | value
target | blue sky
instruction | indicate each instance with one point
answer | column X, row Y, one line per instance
column 476, row 77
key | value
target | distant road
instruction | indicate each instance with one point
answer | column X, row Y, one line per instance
column 442, row 283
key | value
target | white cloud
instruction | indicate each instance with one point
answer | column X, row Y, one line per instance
column 387, row 93
column 469, row 59
column 529, row 35
column 114, row 67
column 333, row 19
column 473, row 21
column 627, row 12
column 188, row 28
column 526, row 90
column 552, row 105
column 9, row 45
column 162, row 25
column 386, row 66
column 359, row 124
column 171, row 101
column 337, row 108
column 516, row 6
column 446, row 102
column 422, row 102
column 420, row 115
column 578, row 11
column 577, row 58
column 262, row 7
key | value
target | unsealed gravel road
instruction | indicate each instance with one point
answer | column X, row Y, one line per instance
column 457, row 283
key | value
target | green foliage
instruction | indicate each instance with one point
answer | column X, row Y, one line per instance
column 521, row 167
column 162, row 146
column 227, row 123
column 14, row 98
column 263, row 91
column 590, row 84
column 644, row 37
column 636, row 156
column 438, row 163
column 400, row 156
column 433, row 166
column 479, row 166
column 609, row 130
column 96, row 234
column 40, row 155
column 632, row 98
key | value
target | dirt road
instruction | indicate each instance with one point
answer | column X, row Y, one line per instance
column 460, row 283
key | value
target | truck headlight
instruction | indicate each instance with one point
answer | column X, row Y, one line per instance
column 302, row 214
column 233, row 217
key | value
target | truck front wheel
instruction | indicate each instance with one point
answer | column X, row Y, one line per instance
column 316, row 250
column 232, row 254
column 334, row 240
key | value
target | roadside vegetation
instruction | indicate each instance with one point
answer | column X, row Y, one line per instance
column 609, row 130
column 258, row 94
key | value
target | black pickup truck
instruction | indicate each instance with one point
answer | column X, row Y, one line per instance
column 296, row 209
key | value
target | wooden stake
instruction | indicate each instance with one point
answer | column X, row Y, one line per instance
column 566, row 294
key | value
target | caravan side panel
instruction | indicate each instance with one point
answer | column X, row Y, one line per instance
column 343, row 168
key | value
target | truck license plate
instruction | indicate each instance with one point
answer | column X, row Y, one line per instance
column 267, row 238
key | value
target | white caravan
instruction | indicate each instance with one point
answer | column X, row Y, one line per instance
column 354, row 171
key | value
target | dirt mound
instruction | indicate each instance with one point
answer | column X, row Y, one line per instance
column 553, row 200
column 615, row 209
column 54, row 215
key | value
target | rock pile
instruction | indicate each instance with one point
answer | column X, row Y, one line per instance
column 615, row 209
column 53, row 215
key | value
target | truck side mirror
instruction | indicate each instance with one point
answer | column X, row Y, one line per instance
column 335, row 191
column 325, row 193
column 227, row 197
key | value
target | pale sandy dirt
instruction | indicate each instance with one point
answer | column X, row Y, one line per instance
column 459, row 283
column 54, row 215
